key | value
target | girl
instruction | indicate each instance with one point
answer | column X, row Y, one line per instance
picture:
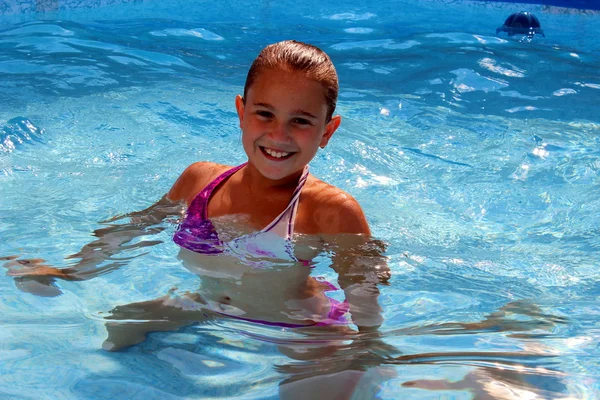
column 240, row 220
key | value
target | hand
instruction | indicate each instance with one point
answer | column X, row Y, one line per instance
column 29, row 267
column 32, row 276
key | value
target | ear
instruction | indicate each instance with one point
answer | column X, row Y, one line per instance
column 239, row 106
column 330, row 129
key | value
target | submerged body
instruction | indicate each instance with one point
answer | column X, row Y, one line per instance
column 285, row 296
column 255, row 275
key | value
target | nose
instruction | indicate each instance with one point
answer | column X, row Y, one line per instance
column 279, row 132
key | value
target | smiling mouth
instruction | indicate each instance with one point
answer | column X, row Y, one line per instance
column 276, row 154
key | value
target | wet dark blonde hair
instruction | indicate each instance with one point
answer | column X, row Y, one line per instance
column 291, row 55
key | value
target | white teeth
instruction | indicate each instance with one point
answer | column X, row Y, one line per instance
column 277, row 154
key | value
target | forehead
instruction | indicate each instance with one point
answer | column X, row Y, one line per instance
column 277, row 83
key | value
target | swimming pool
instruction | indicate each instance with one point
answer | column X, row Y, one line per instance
column 475, row 158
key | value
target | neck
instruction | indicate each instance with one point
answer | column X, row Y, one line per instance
column 258, row 184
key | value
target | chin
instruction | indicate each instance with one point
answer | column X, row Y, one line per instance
column 275, row 173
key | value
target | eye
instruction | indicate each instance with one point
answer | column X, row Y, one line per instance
column 301, row 121
column 264, row 114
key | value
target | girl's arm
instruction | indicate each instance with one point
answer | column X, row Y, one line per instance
column 358, row 259
column 361, row 268
column 97, row 257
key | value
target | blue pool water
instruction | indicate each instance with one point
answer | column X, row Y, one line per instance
column 475, row 157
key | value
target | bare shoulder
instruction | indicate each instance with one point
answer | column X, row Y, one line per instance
column 332, row 210
column 193, row 179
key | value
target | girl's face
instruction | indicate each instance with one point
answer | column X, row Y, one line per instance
column 283, row 122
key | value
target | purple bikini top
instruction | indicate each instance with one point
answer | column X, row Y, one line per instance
column 198, row 234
